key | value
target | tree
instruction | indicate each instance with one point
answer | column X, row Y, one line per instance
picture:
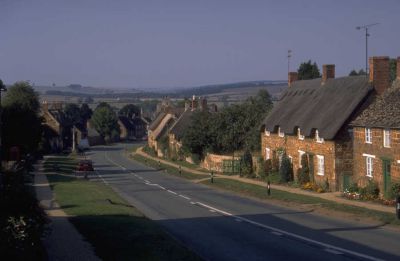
column 355, row 73
column 308, row 70
column 392, row 68
column 247, row 163
column 88, row 100
column 21, row 123
column 72, row 113
column 130, row 111
column 85, row 112
column 105, row 121
column 286, row 169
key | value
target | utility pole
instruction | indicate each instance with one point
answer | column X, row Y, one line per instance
column 366, row 27
column 289, row 55
column 2, row 89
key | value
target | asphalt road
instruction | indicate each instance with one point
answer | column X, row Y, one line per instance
column 219, row 225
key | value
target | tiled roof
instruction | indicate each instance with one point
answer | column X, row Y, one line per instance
column 384, row 111
column 309, row 105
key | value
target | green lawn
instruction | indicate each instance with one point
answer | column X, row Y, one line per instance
column 170, row 169
column 117, row 230
column 260, row 192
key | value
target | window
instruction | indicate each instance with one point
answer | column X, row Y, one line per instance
column 267, row 133
column 368, row 135
column 267, row 153
column 281, row 134
column 386, row 138
column 301, row 153
column 321, row 165
column 301, row 137
column 318, row 138
column 369, row 166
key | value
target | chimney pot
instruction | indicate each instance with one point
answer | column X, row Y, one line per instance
column 292, row 77
column 379, row 73
column 328, row 72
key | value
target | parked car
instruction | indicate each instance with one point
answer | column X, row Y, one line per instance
column 85, row 165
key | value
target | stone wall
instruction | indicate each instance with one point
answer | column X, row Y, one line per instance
column 379, row 152
column 214, row 162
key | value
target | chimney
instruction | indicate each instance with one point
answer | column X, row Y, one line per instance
column 293, row 76
column 398, row 68
column 194, row 103
column 45, row 106
column 328, row 72
column 203, row 103
column 379, row 73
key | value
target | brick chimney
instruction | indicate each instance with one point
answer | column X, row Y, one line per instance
column 328, row 72
column 398, row 68
column 379, row 73
column 292, row 77
column 194, row 103
column 45, row 106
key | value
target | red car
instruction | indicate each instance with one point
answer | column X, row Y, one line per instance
column 85, row 165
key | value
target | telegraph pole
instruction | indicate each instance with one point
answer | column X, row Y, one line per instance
column 366, row 27
column 289, row 55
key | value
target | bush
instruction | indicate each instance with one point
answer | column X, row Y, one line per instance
column 303, row 173
column 286, row 170
column 369, row 192
column 261, row 168
column 394, row 191
column 247, row 160
column 353, row 188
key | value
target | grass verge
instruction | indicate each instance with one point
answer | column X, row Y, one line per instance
column 116, row 230
column 260, row 192
column 170, row 169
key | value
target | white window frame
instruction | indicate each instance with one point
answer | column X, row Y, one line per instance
column 301, row 153
column 280, row 134
column 321, row 165
column 301, row 137
column 318, row 138
column 368, row 135
column 267, row 133
column 267, row 153
column 386, row 138
column 369, row 166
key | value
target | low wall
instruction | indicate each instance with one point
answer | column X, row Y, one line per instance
column 215, row 162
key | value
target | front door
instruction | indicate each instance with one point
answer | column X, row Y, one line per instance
column 386, row 175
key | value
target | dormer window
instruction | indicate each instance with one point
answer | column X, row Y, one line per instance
column 266, row 133
column 280, row 134
column 301, row 137
column 318, row 138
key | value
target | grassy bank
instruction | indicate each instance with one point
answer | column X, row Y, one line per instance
column 260, row 192
column 116, row 230
column 170, row 169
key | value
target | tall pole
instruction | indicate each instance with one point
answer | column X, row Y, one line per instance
column 366, row 27
column 288, row 60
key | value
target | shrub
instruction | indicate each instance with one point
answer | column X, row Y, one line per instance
column 372, row 189
column 353, row 188
column 247, row 160
column 303, row 173
column 268, row 167
column 394, row 191
column 261, row 168
column 286, row 170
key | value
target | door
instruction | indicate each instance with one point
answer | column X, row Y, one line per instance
column 386, row 176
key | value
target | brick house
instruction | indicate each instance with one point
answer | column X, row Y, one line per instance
column 377, row 138
column 132, row 129
column 177, row 130
column 312, row 118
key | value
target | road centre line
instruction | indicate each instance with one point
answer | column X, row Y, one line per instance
column 326, row 246
column 182, row 196
column 332, row 251
column 173, row 192
column 101, row 177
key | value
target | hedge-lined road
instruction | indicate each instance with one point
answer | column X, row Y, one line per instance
column 222, row 226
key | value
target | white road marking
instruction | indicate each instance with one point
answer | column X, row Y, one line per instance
column 333, row 251
column 324, row 245
column 161, row 187
column 113, row 162
column 101, row 177
column 193, row 203
column 238, row 220
column 182, row 196
column 173, row 192
column 211, row 210
column 276, row 233
column 146, row 181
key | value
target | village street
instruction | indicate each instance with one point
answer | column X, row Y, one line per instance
column 222, row 226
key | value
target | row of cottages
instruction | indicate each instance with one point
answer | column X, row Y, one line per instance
column 325, row 120
column 167, row 114
column 134, row 128
column 58, row 132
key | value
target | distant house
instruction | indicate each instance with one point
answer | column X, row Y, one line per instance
column 132, row 129
column 57, row 133
column 166, row 117
column 184, row 121
column 377, row 140
column 312, row 119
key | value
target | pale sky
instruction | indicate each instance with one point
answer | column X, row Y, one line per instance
column 180, row 43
